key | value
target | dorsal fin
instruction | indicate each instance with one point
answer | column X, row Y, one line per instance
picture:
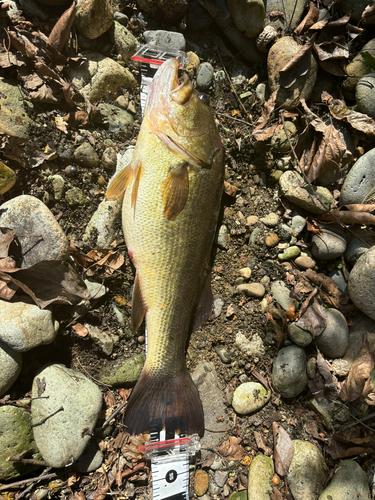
column 175, row 191
column 120, row 182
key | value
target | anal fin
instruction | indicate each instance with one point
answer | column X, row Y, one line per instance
column 138, row 307
column 119, row 184
column 175, row 191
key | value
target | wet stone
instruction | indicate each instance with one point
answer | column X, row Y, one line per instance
column 205, row 75
column 306, row 474
column 250, row 397
column 289, row 371
column 260, row 474
column 122, row 372
column 11, row 364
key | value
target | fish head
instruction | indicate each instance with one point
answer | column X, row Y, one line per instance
column 182, row 118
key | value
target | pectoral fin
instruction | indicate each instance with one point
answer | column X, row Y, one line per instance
column 137, row 176
column 119, row 184
column 138, row 307
column 175, row 191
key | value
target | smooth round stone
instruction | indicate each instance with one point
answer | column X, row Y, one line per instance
column 281, row 294
column 245, row 272
column 356, row 7
column 349, row 482
column 221, row 237
column 13, row 116
column 90, row 460
column 289, row 371
column 86, row 156
column 334, row 340
column 248, row 16
column 270, row 220
column 280, row 142
column 223, row 355
column 306, row 474
column 205, row 75
column 283, row 51
column 255, row 290
column 305, row 262
column 58, row 184
column 201, row 481
column 361, row 283
column 261, row 472
column 62, row 438
column 358, row 244
column 124, row 41
column 25, row 326
column 217, row 306
column 289, row 254
column 331, row 244
column 122, row 372
column 298, row 224
column 365, row 94
column 299, row 336
column 357, row 68
column 271, row 240
column 93, row 17
column 16, row 436
column 7, row 178
column 250, row 397
column 262, row 92
column 359, row 184
column 29, row 216
column 11, row 364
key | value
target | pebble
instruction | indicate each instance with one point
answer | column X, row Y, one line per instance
column 300, row 337
column 223, row 355
column 86, row 156
column 242, row 495
column 252, row 220
column 289, row 254
column 359, row 184
column 101, row 230
column 298, row 224
column 28, row 215
column 248, row 16
column 283, row 50
column 13, row 117
column 305, row 262
column 124, row 41
column 280, row 142
column 11, row 364
column 357, row 68
column 101, row 339
column 205, row 74
column 285, row 231
column 252, row 348
column 7, row 178
column 193, row 63
column 216, row 464
column 74, row 197
column 361, row 283
column 122, row 371
column 117, row 120
column 16, row 437
column 25, row 326
column 217, row 306
column 250, row 397
column 97, row 290
column 109, row 159
column 289, row 371
column 93, row 17
column 281, row 294
column 170, row 39
column 338, row 277
column 324, row 409
column 331, row 244
column 63, row 437
column 221, row 477
column 200, row 482
column 270, row 220
column 245, row 272
column 349, row 481
column 58, row 184
column 261, row 472
column 255, row 290
column 221, row 238
column 306, row 476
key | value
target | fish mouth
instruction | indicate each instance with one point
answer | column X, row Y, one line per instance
column 170, row 86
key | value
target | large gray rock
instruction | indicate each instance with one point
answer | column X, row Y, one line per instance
column 261, row 472
column 306, row 474
column 24, row 326
column 330, row 244
column 289, row 371
column 361, row 283
column 248, row 16
column 40, row 235
column 359, row 184
column 162, row 38
column 14, row 120
column 365, row 94
column 349, row 482
column 11, row 364
column 64, row 435
column 334, row 340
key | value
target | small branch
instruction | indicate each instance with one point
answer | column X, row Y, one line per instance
column 5, row 487
column 116, row 412
column 48, row 416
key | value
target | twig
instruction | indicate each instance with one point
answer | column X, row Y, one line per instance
column 233, row 118
column 19, row 458
column 114, row 414
column 357, row 420
column 47, row 417
column 30, row 480
column 224, row 430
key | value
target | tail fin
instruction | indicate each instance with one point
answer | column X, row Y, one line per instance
column 169, row 399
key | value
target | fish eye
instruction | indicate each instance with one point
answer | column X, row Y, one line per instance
column 204, row 98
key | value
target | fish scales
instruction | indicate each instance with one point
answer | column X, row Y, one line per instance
column 170, row 210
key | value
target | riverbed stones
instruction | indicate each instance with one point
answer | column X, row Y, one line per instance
column 359, row 184
column 281, row 294
column 314, row 199
column 125, row 42
column 93, row 17
column 334, row 340
column 16, row 436
column 25, row 326
column 329, row 245
column 289, row 371
column 14, row 120
column 365, row 94
column 86, row 156
column 169, row 10
column 361, row 283
column 255, row 290
column 205, row 74
column 349, row 481
column 250, row 397
column 357, row 68
column 11, row 364
column 290, row 88
column 7, row 178
column 27, row 215
column 261, row 472
column 306, row 474
column 62, row 438
column 298, row 335
column 248, row 16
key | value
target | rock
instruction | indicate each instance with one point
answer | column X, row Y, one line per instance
column 261, row 472
column 252, row 348
column 74, row 197
column 289, row 371
column 338, row 277
column 193, row 62
column 242, row 495
column 324, row 409
column 306, row 474
column 86, row 156
column 245, row 272
column 255, row 290
column 248, row 16
column 217, row 306
column 280, row 142
column 292, row 14
column 314, row 199
column 25, row 326
column 122, row 371
column 109, row 159
column 116, row 120
column 223, row 355
column 360, row 240
column 170, row 39
column 299, row 336
column 205, row 378
column 250, row 397
column 360, row 181
column 11, row 364
column 90, row 460
column 16, row 437
column 205, row 75
column 329, row 245
column 298, row 224
column 334, row 340
column 7, row 177
column 63, row 437
column 93, row 17
column 262, row 91
column 221, row 477
column 99, row 76
column 197, row 17
column 357, row 68
column 354, row 7
column 101, row 229
column 270, row 220
column 349, row 481
column 14, row 120
column 58, row 184
column 221, row 238
column 200, row 482
column 279, row 55
column 124, row 41
column 361, row 283
column 280, row 293
column 101, row 339
column 305, row 262
column 289, row 254
column 169, row 10
column 27, row 215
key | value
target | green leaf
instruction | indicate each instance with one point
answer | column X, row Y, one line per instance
column 368, row 59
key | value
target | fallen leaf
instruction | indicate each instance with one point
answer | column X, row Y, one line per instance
column 60, row 32
column 313, row 316
column 340, row 111
column 266, row 133
column 110, row 260
column 131, row 449
column 313, row 227
column 231, row 449
column 309, row 20
column 283, row 449
column 298, row 66
column 340, row 447
column 229, row 189
column 329, row 291
column 6, row 238
column 80, row 330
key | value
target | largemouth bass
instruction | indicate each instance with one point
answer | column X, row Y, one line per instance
column 173, row 188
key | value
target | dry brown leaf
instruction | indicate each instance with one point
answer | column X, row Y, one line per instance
column 23, row 44
column 340, row 111
column 313, row 227
column 283, row 449
column 265, row 133
column 101, row 257
column 329, row 291
column 368, row 15
column 340, row 447
column 309, row 20
column 298, row 66
column 231, row 449
column 60, row 32
column 358, row 374
column 6, row 238
column 80, row 330
column 7, row 287
column 313, row 316
column 131, row 451
column 44, row 94
column 267, row 109
column 230, row 189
